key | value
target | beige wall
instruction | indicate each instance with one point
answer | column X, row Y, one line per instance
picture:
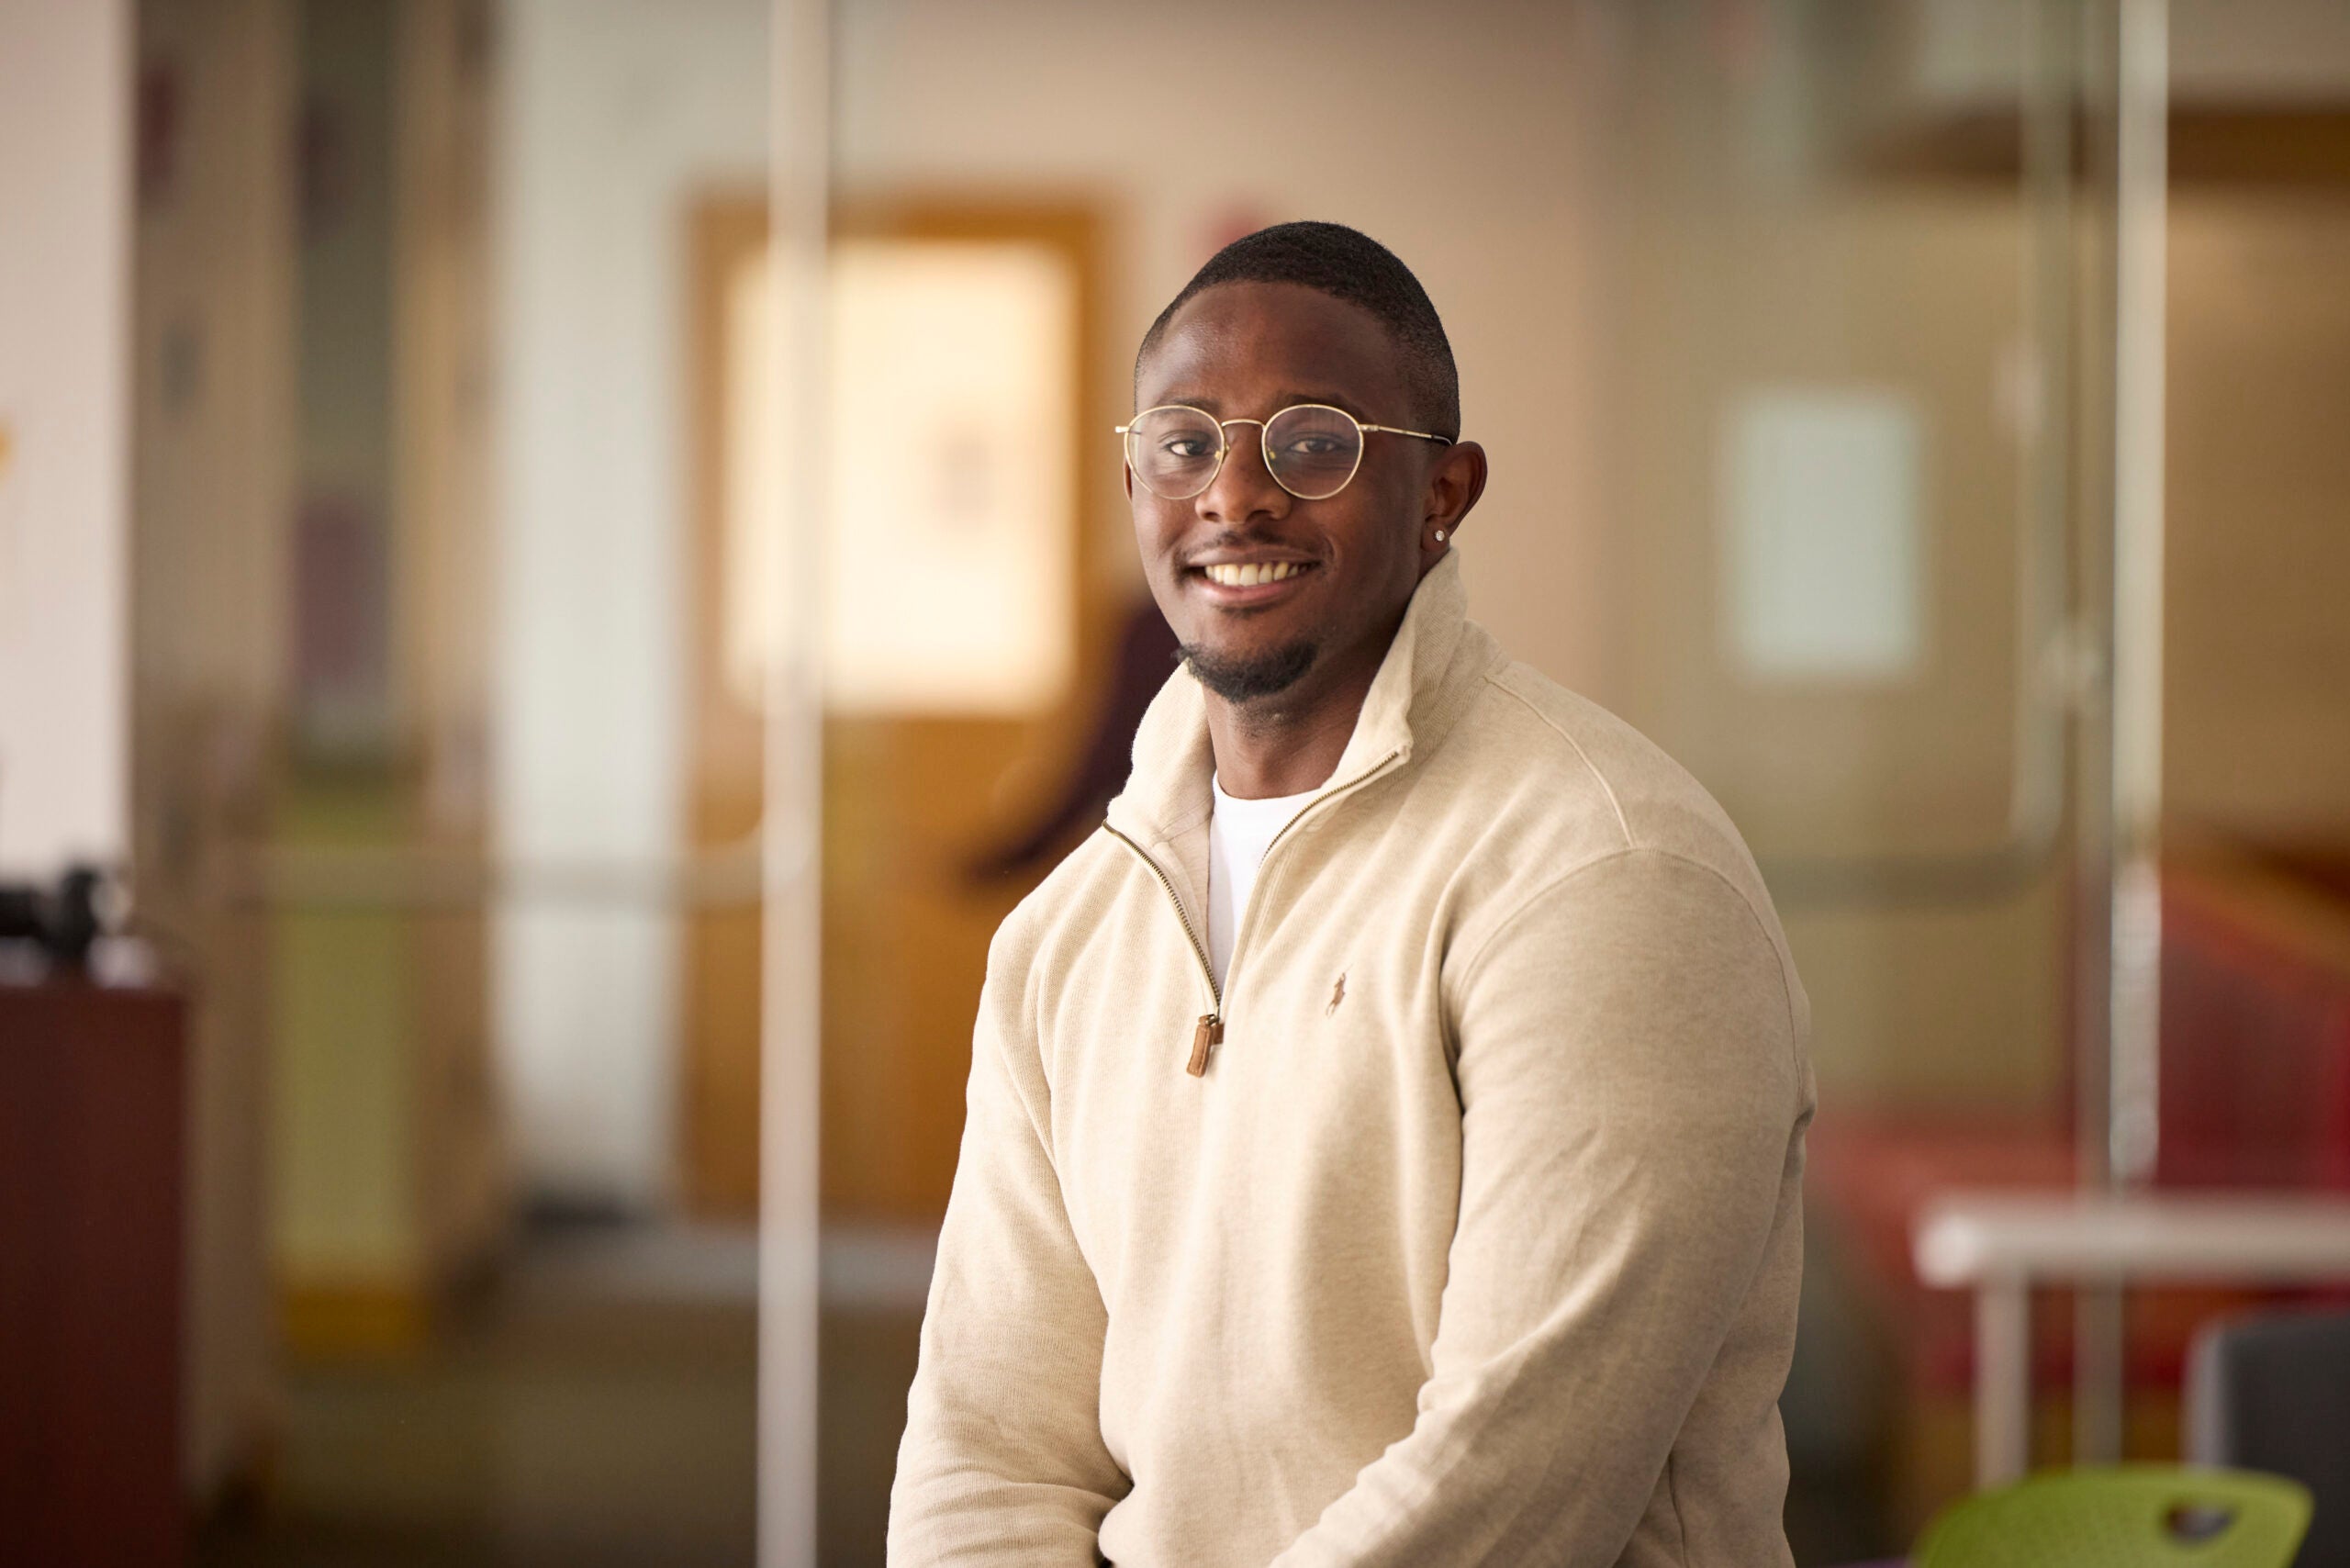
column 2257, row 734
column 1749, row 255
column 1451, row 139
column 1916, row 290
column 1917, row 284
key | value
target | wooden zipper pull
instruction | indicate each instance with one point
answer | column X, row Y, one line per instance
column 1209, row 1035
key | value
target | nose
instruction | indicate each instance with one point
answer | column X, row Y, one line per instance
column 1244, row 487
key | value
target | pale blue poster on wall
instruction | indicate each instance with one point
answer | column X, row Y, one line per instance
column 1823, row 558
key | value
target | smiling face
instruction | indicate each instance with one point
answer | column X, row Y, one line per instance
column 1270, row 595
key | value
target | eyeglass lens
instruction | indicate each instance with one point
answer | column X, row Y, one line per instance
column 1312, row 451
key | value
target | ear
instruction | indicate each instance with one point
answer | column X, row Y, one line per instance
column 1128, row 479
column 1455, row 481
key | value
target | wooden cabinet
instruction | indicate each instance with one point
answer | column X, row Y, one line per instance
column 91, row 1082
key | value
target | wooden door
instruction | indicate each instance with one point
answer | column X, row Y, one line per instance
column 917, row 792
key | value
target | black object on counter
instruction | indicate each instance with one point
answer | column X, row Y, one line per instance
column 63, row 921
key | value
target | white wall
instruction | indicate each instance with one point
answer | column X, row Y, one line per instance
column 65, row 321
column 617, row 115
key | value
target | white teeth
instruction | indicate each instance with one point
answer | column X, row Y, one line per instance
column 1249, row 574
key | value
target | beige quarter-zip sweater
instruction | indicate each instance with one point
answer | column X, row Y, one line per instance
column 1476, row 1241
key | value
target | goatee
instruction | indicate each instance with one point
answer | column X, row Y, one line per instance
column 1243, row 680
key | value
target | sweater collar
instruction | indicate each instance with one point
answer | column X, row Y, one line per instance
column 1411, row 698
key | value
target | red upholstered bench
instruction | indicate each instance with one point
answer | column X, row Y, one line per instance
column 2255, row 1075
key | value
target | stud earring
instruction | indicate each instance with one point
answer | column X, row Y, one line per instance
column 1439, row 536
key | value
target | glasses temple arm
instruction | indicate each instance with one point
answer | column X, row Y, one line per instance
column 1422, row 435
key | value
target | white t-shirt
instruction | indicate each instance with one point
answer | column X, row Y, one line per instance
column 1238, row 835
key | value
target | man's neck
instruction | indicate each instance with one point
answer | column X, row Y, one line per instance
column 1289, row 742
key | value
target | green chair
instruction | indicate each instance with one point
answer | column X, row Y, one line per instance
column 2131, row 1516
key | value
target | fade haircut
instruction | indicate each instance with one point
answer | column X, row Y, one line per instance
column 1348, row 264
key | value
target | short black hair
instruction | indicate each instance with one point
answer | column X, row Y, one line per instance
column 1348, row 264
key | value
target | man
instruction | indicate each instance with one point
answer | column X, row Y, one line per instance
column 1385, row 1134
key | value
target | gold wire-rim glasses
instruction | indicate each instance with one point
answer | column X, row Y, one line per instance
column 1128, row 431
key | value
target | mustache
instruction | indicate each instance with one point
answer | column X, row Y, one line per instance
column 1242, row 539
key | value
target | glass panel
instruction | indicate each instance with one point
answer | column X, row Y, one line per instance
column 1765, row 313
column 428, row 809
column 506, row 540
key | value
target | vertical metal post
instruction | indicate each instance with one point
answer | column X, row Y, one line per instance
column 2122, row 727
column 2002, row 1381
column 799, row 203
column 2078, row 28
column 2141, row 251
column 2099, row 1365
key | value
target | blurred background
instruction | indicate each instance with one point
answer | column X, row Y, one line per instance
column 521, row 657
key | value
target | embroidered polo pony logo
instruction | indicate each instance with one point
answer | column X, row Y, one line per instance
column 1338, row 994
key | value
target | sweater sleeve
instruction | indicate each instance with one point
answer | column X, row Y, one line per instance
column 1002, row 1459
column 1629, row 1091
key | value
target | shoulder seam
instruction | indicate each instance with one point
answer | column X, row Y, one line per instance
column 1632, row 840
column 1778, row 959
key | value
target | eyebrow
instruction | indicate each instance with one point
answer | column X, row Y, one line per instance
column 1282, row 399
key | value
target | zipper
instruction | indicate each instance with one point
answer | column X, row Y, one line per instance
column 1199, row 948
column 1208, row 1033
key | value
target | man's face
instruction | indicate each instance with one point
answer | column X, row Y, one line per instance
column 1246, row 351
